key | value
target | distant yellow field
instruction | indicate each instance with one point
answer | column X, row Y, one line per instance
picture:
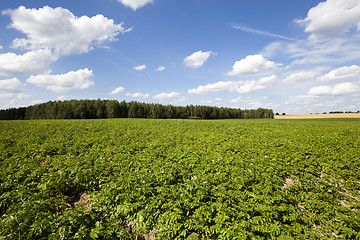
column 312, row 116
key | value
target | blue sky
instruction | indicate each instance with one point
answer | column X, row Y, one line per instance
column 298, row 56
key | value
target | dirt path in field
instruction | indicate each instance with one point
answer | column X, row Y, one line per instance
column 313, row 116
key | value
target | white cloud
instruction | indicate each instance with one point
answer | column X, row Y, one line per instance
column 60, row 30
column 302, row 99
column 330, row 104
column 341, row 73
column 161, row 68
column 6, row 95
column 320, row 90
column 259, row 32
column 332, row 18
column 139, row 68
column 260, row 103
column 235, row 86
column 11, row 85
column 344, row 88
column 197, row 59
column 173, row 97
column 216, row 100
column 303, row 76
column 117, row 90
column 61, row 98
column 214, row 87
column 252, row 64
column 236, row 100
column 206, row 101
column 338, row 89
column 307, row 53
column 34, row 102
column 165, row 96
column 135, row 4
column 64, row 82
column 32, row 62
column 255, row 85
column 137, row 95
column 23, row 96
column 1, row 47
column 11, row 104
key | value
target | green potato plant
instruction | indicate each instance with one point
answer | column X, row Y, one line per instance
column 180, row 179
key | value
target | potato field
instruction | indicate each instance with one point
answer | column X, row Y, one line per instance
column 180, row 179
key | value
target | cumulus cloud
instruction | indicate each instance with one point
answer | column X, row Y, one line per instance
column 252, row 64
column 332, row 18
column 139, row 68
column 10, row 86
column 344, row 88
column 197, row 59
column 32, row 62
column 320, row 90
column 138, row 95
column 303, row 75
column 214, row 87
column 164, row 96
column 60, row 30
column 236, row 100
column 117, row 90
column 338, row 89
column 161, row 68
column 235, row 86
column 135, row 4
column 173, row 97
column 64, row 82
column 341, row 73
column 255, row 85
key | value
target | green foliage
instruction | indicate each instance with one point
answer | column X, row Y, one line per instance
column 99, row 109
column 180, row 179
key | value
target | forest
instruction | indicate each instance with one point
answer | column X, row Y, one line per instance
column 99, row 109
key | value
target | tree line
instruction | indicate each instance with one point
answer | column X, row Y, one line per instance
column 96, row 109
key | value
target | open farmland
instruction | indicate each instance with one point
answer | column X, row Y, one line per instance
column 180, row 179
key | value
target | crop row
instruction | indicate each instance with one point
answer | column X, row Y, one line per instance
column 179, row 179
